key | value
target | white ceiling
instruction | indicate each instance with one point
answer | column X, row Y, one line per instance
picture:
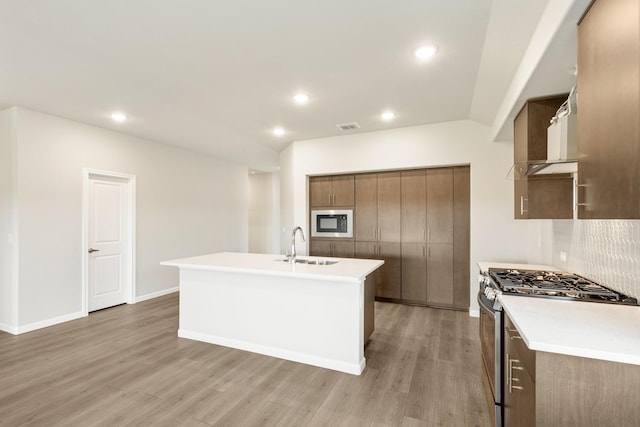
column 217, row 77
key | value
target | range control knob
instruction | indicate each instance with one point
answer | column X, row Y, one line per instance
column 490, row 293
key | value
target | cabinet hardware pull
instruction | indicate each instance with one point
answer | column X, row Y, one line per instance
column 522, row 209
column 510, row 379
column 423, row 254
column 428, row 234
column 514, row 337
column 424, row 234
column 509, row 373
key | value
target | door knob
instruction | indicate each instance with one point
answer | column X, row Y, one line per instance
column 91, row 250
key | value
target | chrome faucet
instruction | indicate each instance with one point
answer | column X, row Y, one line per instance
column 292, row 259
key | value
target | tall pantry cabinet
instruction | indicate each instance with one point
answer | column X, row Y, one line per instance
column 414, row 236
column 435, row 237
column 377, row 227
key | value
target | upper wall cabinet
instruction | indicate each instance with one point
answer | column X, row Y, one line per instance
column 331, row 191
column 609, row 111
column 545, row 196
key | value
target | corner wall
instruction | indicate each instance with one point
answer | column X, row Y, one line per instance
column 186, row 204
column 264, row 213
column 8, row 246
column 495, row 235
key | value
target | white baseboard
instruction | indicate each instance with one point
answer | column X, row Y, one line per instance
column 17, row 330
column 9, row 329
column 474, row 312
column 48, row 322
column 152, row 295
column 309, row 359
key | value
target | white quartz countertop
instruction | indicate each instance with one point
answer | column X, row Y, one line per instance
column 585, row 329
column 346, row 269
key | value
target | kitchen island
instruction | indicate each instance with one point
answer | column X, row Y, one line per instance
column 309, row 313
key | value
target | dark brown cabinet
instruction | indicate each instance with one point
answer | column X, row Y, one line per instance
column 440, row 237
column 461, row 236
column 548, row 389
column 377, row 228
column 389, row 207
column 331, row 191
column 609, row 111
column 440, row 205
column 519, row 368
column 377, row 207
column 366, row 208
column 543, row 196
column 448, row 228
column 440, row 274
column 414, row 236
column 388, row 277
column 417, row 221
column 414, row 272
column 332, row 248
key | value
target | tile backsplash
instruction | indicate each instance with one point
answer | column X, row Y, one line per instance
column 606, row 251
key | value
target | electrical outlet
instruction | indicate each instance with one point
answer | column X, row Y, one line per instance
column 563, row 256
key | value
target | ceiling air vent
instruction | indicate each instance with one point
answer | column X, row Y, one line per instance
column 348, row 126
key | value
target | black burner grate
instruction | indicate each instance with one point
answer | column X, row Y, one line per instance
column 556, row 285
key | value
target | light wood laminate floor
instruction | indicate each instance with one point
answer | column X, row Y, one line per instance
column 126, row 366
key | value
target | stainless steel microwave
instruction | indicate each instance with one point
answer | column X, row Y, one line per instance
column 332, row 223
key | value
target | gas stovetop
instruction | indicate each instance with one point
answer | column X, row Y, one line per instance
column 555, row 284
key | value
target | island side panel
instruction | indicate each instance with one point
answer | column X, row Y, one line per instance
column 304, row 320
column 369, row 305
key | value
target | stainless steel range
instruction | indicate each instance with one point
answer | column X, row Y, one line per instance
column 527, row 283
column 555, row 284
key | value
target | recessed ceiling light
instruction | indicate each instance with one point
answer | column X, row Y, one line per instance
column 119, row 117
column 301, row 98
column 278, row 131
column 387, row 116
column 425, row 53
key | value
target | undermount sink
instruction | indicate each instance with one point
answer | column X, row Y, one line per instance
column 311, row 261
column 317, row 261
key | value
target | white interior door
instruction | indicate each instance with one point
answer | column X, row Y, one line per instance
column 108, row 248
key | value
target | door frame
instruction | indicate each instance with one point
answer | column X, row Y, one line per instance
column 129, row 182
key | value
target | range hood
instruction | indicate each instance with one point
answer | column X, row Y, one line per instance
column 546, row 167
column 542, row 167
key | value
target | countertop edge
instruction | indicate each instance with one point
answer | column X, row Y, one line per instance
column 375, row 264
column 568, row 350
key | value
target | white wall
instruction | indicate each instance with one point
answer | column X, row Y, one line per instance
column 187, row 204
column 8, row 293
column 495, row 235
column 264, row 213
